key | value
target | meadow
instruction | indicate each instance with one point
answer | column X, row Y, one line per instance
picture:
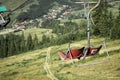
column 45, row 64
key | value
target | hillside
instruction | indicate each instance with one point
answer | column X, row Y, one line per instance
column 44, row 64
column 32, row 53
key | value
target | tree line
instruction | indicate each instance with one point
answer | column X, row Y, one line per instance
column 12, row 44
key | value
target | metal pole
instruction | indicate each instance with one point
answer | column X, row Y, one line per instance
column 88, row 20
column 88, row 30
column 88, row 25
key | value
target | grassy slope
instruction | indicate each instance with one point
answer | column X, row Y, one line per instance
column 30, row 65
column 38, row 31
column 12, row 4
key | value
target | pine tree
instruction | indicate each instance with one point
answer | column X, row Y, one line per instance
column 16, row 44
column 2, row 48
column 110, row 23
column 36, row 42
column 115, row 31
column 29, row 44
column 6, row 44
column 118, row 17
column 44, row 39
column 101, row 18
column 22, row 43
column 10, row 44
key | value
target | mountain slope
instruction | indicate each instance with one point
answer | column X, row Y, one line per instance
column 44, row 64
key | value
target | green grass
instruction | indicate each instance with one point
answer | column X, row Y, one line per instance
column 30, row 65
column 12, row 4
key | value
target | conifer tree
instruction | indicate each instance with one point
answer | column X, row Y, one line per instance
column 115, row 31
column 100, row 17
column 22, row 43
column 6, row 45
column 35, row 42
column 29, row 44
column 2, row 48
column 10, row 44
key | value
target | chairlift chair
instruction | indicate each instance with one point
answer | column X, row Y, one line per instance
column 2, row 9
column 4, row 20
column 78, row 53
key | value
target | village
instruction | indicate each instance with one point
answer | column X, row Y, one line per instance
column 58, row 13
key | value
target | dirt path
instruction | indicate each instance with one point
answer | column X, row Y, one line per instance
column 47, row 66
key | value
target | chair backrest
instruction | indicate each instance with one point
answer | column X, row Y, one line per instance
column 3, row 9
column 94, row 51
column 76, row 53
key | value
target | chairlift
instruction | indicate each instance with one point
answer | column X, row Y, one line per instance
column 83, row 52
column 5, row 20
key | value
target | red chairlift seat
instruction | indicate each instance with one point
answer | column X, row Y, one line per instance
column 78, row 53
column 72, row 53
column 93, row 51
